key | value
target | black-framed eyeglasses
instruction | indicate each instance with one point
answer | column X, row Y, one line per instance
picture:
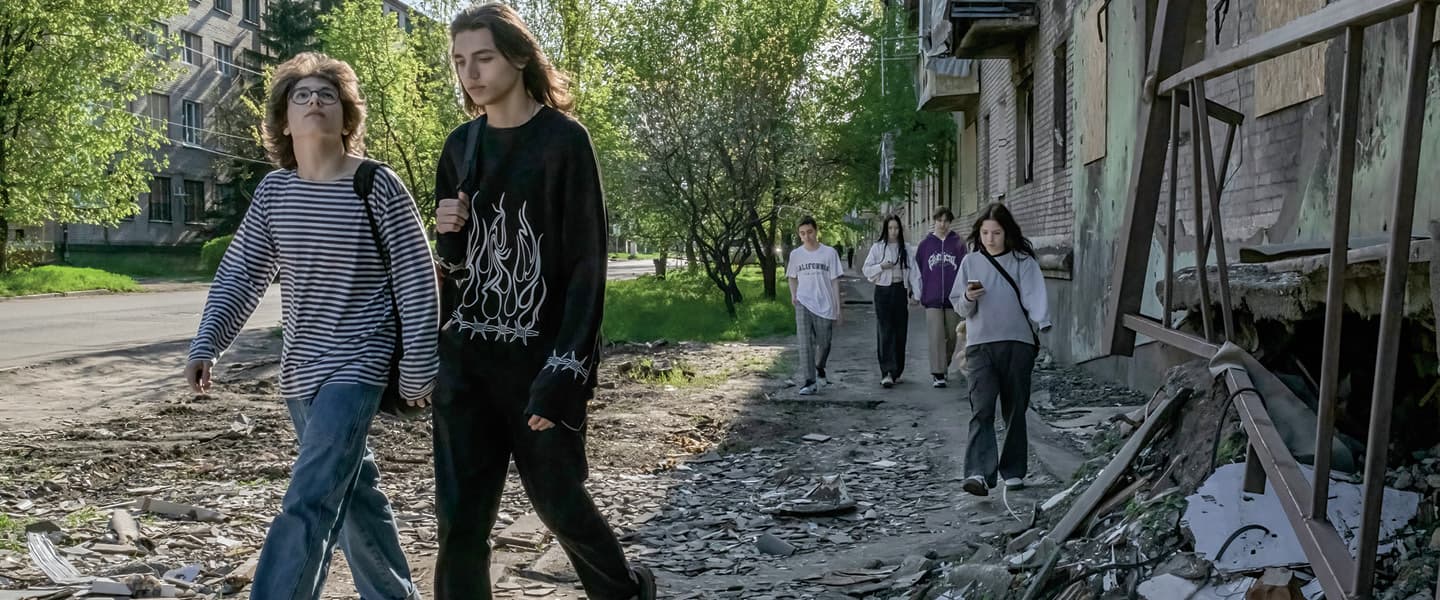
column 326, row 96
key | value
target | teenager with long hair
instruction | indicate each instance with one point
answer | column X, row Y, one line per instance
column 1001, row 293
column 343, row 300
column 522, row 249
column 891, row 267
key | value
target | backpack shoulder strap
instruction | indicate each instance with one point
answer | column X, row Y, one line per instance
column 364, row 181
column 464, row 169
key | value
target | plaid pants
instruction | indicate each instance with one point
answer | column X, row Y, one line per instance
column 814, row 335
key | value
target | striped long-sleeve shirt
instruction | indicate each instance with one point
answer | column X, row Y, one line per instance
column 335, row 295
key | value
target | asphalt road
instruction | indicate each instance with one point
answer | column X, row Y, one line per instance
column 35, row 330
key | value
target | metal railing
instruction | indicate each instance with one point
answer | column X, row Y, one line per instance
column 1342, row 575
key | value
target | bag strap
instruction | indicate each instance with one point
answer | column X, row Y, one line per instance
column 464, row 170
column 363, row 184
column 1018, row 296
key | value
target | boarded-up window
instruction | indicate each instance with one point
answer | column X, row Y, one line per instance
column 969, row 176
column 1295, row 77
column 1093, row 111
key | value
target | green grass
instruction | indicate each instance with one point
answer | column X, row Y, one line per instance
column 12, row 534
column 640, row 256
column 686, row 306
column 173, row 266
column 52, row 279
column 676, row 376
column 82, row 517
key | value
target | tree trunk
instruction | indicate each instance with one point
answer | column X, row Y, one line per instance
column 4, row 245
column 661, row 264
column 769, row 260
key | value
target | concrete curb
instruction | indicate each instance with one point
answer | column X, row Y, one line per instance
column 59, row 295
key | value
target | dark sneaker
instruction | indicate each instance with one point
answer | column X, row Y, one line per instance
column 939, row 382
column 646, row 580
column 975, row 486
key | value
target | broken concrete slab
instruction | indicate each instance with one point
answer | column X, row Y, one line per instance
column 526, row 533
column 774, row 546
column 1221, row 507
column 1171, row 587
column 173, row 509
column 552, row 566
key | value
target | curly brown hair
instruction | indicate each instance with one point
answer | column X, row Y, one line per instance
column 278, row 144
column 546, row 84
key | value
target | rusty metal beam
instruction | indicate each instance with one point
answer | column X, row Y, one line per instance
column 1202, row 254
column 1179, row 339
column 1212, row 185
column 1316, row 27
column 1397, row 270
column 1170, row 215
column 1329, row 556
column 1335, row 288
column 1132, row 256
column 1216, row 110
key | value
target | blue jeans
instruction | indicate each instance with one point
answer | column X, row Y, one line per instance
column 334, row 497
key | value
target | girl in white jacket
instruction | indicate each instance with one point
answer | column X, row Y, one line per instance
column 892, row 268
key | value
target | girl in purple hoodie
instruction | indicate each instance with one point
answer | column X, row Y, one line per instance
column 939, row 258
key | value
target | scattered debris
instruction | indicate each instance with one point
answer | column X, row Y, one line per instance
column 184, row 511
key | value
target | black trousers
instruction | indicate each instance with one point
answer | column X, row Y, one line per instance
column 479, row 425
column 892, row 324
column 1000, row 369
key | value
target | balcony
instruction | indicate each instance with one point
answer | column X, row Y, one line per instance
column 994, row 29
column 948, row 85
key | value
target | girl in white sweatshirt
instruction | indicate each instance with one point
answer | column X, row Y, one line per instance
column 892, row 268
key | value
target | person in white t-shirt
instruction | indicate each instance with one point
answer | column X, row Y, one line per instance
column 814, row 272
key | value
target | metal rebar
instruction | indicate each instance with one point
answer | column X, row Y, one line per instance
column 1397, row 270
column 1335, row 288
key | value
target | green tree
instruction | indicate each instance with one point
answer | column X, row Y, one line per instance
column 410, row 98
column 291, row 27
column 72, row 148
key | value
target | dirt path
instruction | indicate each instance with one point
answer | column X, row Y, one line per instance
column 690, row 476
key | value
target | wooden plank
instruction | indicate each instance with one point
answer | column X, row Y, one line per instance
column 1178, row 339
column 1217, row 110
column 1288, row 80
column 1094, row 105
column 1310, row 29
column 1080, row 511
column 1132, row 256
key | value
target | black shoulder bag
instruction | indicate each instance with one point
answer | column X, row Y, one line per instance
column 390, row 401
column 1018, row 297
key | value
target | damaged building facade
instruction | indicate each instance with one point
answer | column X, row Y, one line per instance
column 1248, row 182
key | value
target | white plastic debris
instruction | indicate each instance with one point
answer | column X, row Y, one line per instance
column 1221, row 507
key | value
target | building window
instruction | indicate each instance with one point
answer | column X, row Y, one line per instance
column 155, row 39
column 1025, row 131
column 194, row 52
column 157, row 109
column 160, row 209
column 194, row 201
column 223, row 6
column 252, row 11
column 192, row 122
column 225, row 59
column 1061, row 108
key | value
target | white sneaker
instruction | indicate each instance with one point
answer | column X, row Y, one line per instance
column 1015, row 483
column 939, row 382
column 824, row 381
column 808, row 390
column 887, row 382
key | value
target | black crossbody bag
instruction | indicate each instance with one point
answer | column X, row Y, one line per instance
column 1018, row 297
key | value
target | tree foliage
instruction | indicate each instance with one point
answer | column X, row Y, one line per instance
column 72, row 148
column 408, row 86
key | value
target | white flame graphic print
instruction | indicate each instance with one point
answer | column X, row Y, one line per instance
column 501, row 289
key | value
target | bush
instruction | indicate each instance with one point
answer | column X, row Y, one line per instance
column 52, row 279
column 28, row 253
column 212, row 252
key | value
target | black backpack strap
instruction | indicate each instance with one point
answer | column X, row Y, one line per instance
column 464, row 170
column 1019, row 298
column 363, row 184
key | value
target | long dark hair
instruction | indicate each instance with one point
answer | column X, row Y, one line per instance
column 546, row 84
column 885, row 238
column 1014, row 240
